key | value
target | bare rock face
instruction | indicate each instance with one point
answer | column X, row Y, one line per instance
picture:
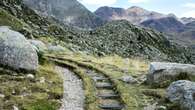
column 16, row 52
column 69, row 12
column 182, row 93
column 134, row 14
column 162, row 74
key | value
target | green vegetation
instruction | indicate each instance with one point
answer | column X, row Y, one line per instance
column 7, row 19
column 135, row 96
column 43, row 92
column 90, row 100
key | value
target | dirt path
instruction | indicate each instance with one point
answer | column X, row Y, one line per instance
column 73, row 90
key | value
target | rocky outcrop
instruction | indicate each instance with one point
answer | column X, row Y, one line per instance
column 69, row 12
column 162, row 74
column 16, row 52
column 182, row 94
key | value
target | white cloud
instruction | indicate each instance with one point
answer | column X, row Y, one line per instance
column 98, row 2
column 138, row 1
column 189, row 14
column 189, row 5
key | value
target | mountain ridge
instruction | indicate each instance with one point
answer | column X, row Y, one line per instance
column 134, row 14
column 69, row 12
column 169, row 24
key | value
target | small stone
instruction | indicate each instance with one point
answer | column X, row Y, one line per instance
column 13, row 92
column 142, row 78
column 15, row 108
column 150, row 107
column 129, row 79
column 30, row 76
column 56, row 48
column 42, row 80
column 2, row 95
column 161, row 108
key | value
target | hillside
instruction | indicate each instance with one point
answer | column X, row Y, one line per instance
column 166, row 25
column 176, row 28
column 69, row 12
column 30, row 20
column 136, row 41
column 48, row 65
column 130, row 41
column 186, row 20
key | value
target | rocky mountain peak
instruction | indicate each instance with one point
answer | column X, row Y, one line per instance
column 137, row 9
column 66, row 11
column 134, row 14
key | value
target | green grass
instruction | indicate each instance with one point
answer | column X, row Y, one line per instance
column 7, row 19
column 30, row 94
column 90, row 96
column 135, row 96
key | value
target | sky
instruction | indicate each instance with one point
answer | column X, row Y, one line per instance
column 181, row 8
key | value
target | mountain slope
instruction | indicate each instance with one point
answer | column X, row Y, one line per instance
column 23, row 19
column 131, row 41
column 70, row 12
column 167, row 25
column 179, row 30
column 109, row 13
column 117, row 37
column 186, row 20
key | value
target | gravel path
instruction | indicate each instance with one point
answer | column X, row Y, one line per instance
column 73, row 90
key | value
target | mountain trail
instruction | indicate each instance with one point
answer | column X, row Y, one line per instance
column 73, row 90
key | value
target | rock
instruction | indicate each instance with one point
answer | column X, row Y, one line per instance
column 155, row 106
column 128, row 79
column 2, row 95
column 161, row 108
column 16, row 52
column 15, row 108
column 182, row 93
column 40, row 46
column 30, row 76
column 142, row 78
column 56, row 48
column 150, row 107
column 162, row 74
column 42, row 80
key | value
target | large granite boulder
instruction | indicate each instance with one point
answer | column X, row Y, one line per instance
column 16, row 52
column 162, row 74
column 182, row 94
